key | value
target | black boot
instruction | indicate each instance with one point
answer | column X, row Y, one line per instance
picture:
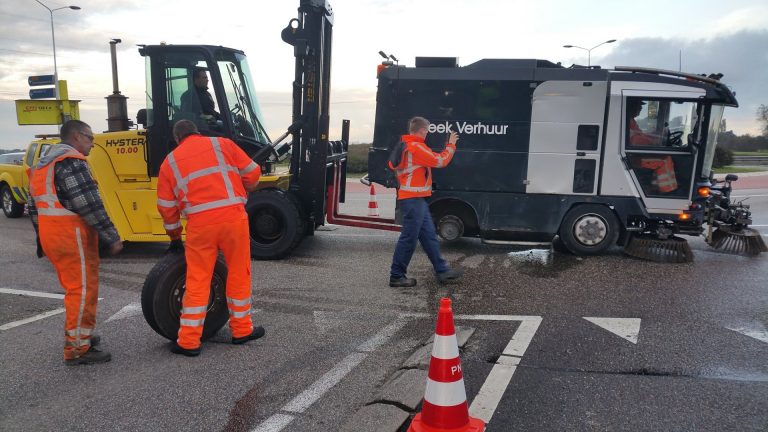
column 92, row 356
column 258, row 331
column 176, row 349
column 403, row 282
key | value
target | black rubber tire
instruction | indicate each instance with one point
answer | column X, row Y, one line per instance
column 276, row 223
column 164, row 289
column 586, row 223
column 11, row 208
column 450, row 227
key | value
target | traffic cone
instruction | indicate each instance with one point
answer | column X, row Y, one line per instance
column 373, row 206
column 445, row 400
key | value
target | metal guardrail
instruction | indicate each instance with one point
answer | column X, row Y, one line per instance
column 750, row 160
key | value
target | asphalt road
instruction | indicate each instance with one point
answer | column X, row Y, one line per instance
column 689, row 350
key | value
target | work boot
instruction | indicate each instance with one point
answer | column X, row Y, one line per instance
column 95, row 340
column 176, row 349
column 449, row 276
column 92, row 356
column 401, row 282
column 257, row 332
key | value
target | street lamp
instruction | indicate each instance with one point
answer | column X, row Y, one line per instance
column 589, row 50
column 53, row 38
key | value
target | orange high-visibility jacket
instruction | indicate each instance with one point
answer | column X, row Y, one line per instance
column 204, row 178
column 663, row 168
column 414, row 173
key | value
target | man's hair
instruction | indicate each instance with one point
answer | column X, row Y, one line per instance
column 183, row 129
column 417, row 123
column 196, row 72
column 72, row 127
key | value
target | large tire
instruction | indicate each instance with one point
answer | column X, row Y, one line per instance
column 11, row 208
column 276, row 224
column 589, row 229
column 164, row 289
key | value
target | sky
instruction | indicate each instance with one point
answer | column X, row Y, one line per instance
column 701, row 36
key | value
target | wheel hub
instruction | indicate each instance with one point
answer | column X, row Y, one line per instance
column 7, row 201
column 590, row 229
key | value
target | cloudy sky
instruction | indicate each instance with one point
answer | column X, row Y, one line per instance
column 712, row 36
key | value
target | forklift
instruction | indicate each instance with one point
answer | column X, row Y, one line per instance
column 288, row 205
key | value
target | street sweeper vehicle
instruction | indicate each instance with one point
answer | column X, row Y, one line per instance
column 585, row 157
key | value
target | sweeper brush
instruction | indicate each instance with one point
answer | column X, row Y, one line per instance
column 739, row 241
column 650, row 247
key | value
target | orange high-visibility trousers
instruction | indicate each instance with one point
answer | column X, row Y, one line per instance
column 203, row 243
column 73, row 248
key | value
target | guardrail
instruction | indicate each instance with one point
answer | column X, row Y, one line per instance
column 750, row 160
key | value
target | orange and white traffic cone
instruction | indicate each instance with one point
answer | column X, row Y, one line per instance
column 373, row 206
column 445, row 400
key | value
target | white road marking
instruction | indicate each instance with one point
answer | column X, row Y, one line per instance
column 31, row 293
column 132, row 309
column 490, row 394
column 747, row 196
column 275, row 423
column 305, row 399
column 43, row 315
column 626, row 328
column 756, row 331
column 300, row 403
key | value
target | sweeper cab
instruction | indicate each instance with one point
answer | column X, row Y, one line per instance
column 585, row 157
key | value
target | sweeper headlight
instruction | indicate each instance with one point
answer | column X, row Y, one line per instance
column 703, row 191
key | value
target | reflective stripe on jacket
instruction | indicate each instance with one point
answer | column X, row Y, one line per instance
column 663, row 172
column 414, row 173
column 204, row 174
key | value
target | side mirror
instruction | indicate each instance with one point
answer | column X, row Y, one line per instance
column 731, row 177
column 141, row 117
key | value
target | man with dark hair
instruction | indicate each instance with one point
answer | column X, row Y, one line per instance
column 206, row 179
column 198, row 100
column 70, row 219
column 414, row 175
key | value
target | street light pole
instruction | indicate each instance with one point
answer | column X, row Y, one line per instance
column 53, row 39
column 589, row 50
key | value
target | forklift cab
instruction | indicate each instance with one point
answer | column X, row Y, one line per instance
column 231, row 111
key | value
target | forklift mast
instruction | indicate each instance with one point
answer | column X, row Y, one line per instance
column 310, row 36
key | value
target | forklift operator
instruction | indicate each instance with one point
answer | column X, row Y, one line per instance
column 198, row 100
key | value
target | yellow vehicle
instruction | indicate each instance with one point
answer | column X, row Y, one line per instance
column 14, row 181
column 125, row 161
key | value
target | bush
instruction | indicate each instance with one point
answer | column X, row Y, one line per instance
column 357, row 159
column 723, row 157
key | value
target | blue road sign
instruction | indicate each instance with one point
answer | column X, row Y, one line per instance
column 38, row 80
column 43, row 93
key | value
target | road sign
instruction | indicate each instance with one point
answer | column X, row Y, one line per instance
column 44, row 112
column 38, row 80
column 42, row 93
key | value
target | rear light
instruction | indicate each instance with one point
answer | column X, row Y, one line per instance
column 380, row 68
column 703, row 191
column 684, row 216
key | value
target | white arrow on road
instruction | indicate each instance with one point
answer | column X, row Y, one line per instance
column 132, row 309
column 754, row 330
column 626, row 328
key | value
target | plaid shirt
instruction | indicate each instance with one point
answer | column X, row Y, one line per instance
column 78, row 193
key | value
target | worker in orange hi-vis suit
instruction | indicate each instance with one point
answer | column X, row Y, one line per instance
column 206, row 179
column 70, row 220
column 664, row 178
